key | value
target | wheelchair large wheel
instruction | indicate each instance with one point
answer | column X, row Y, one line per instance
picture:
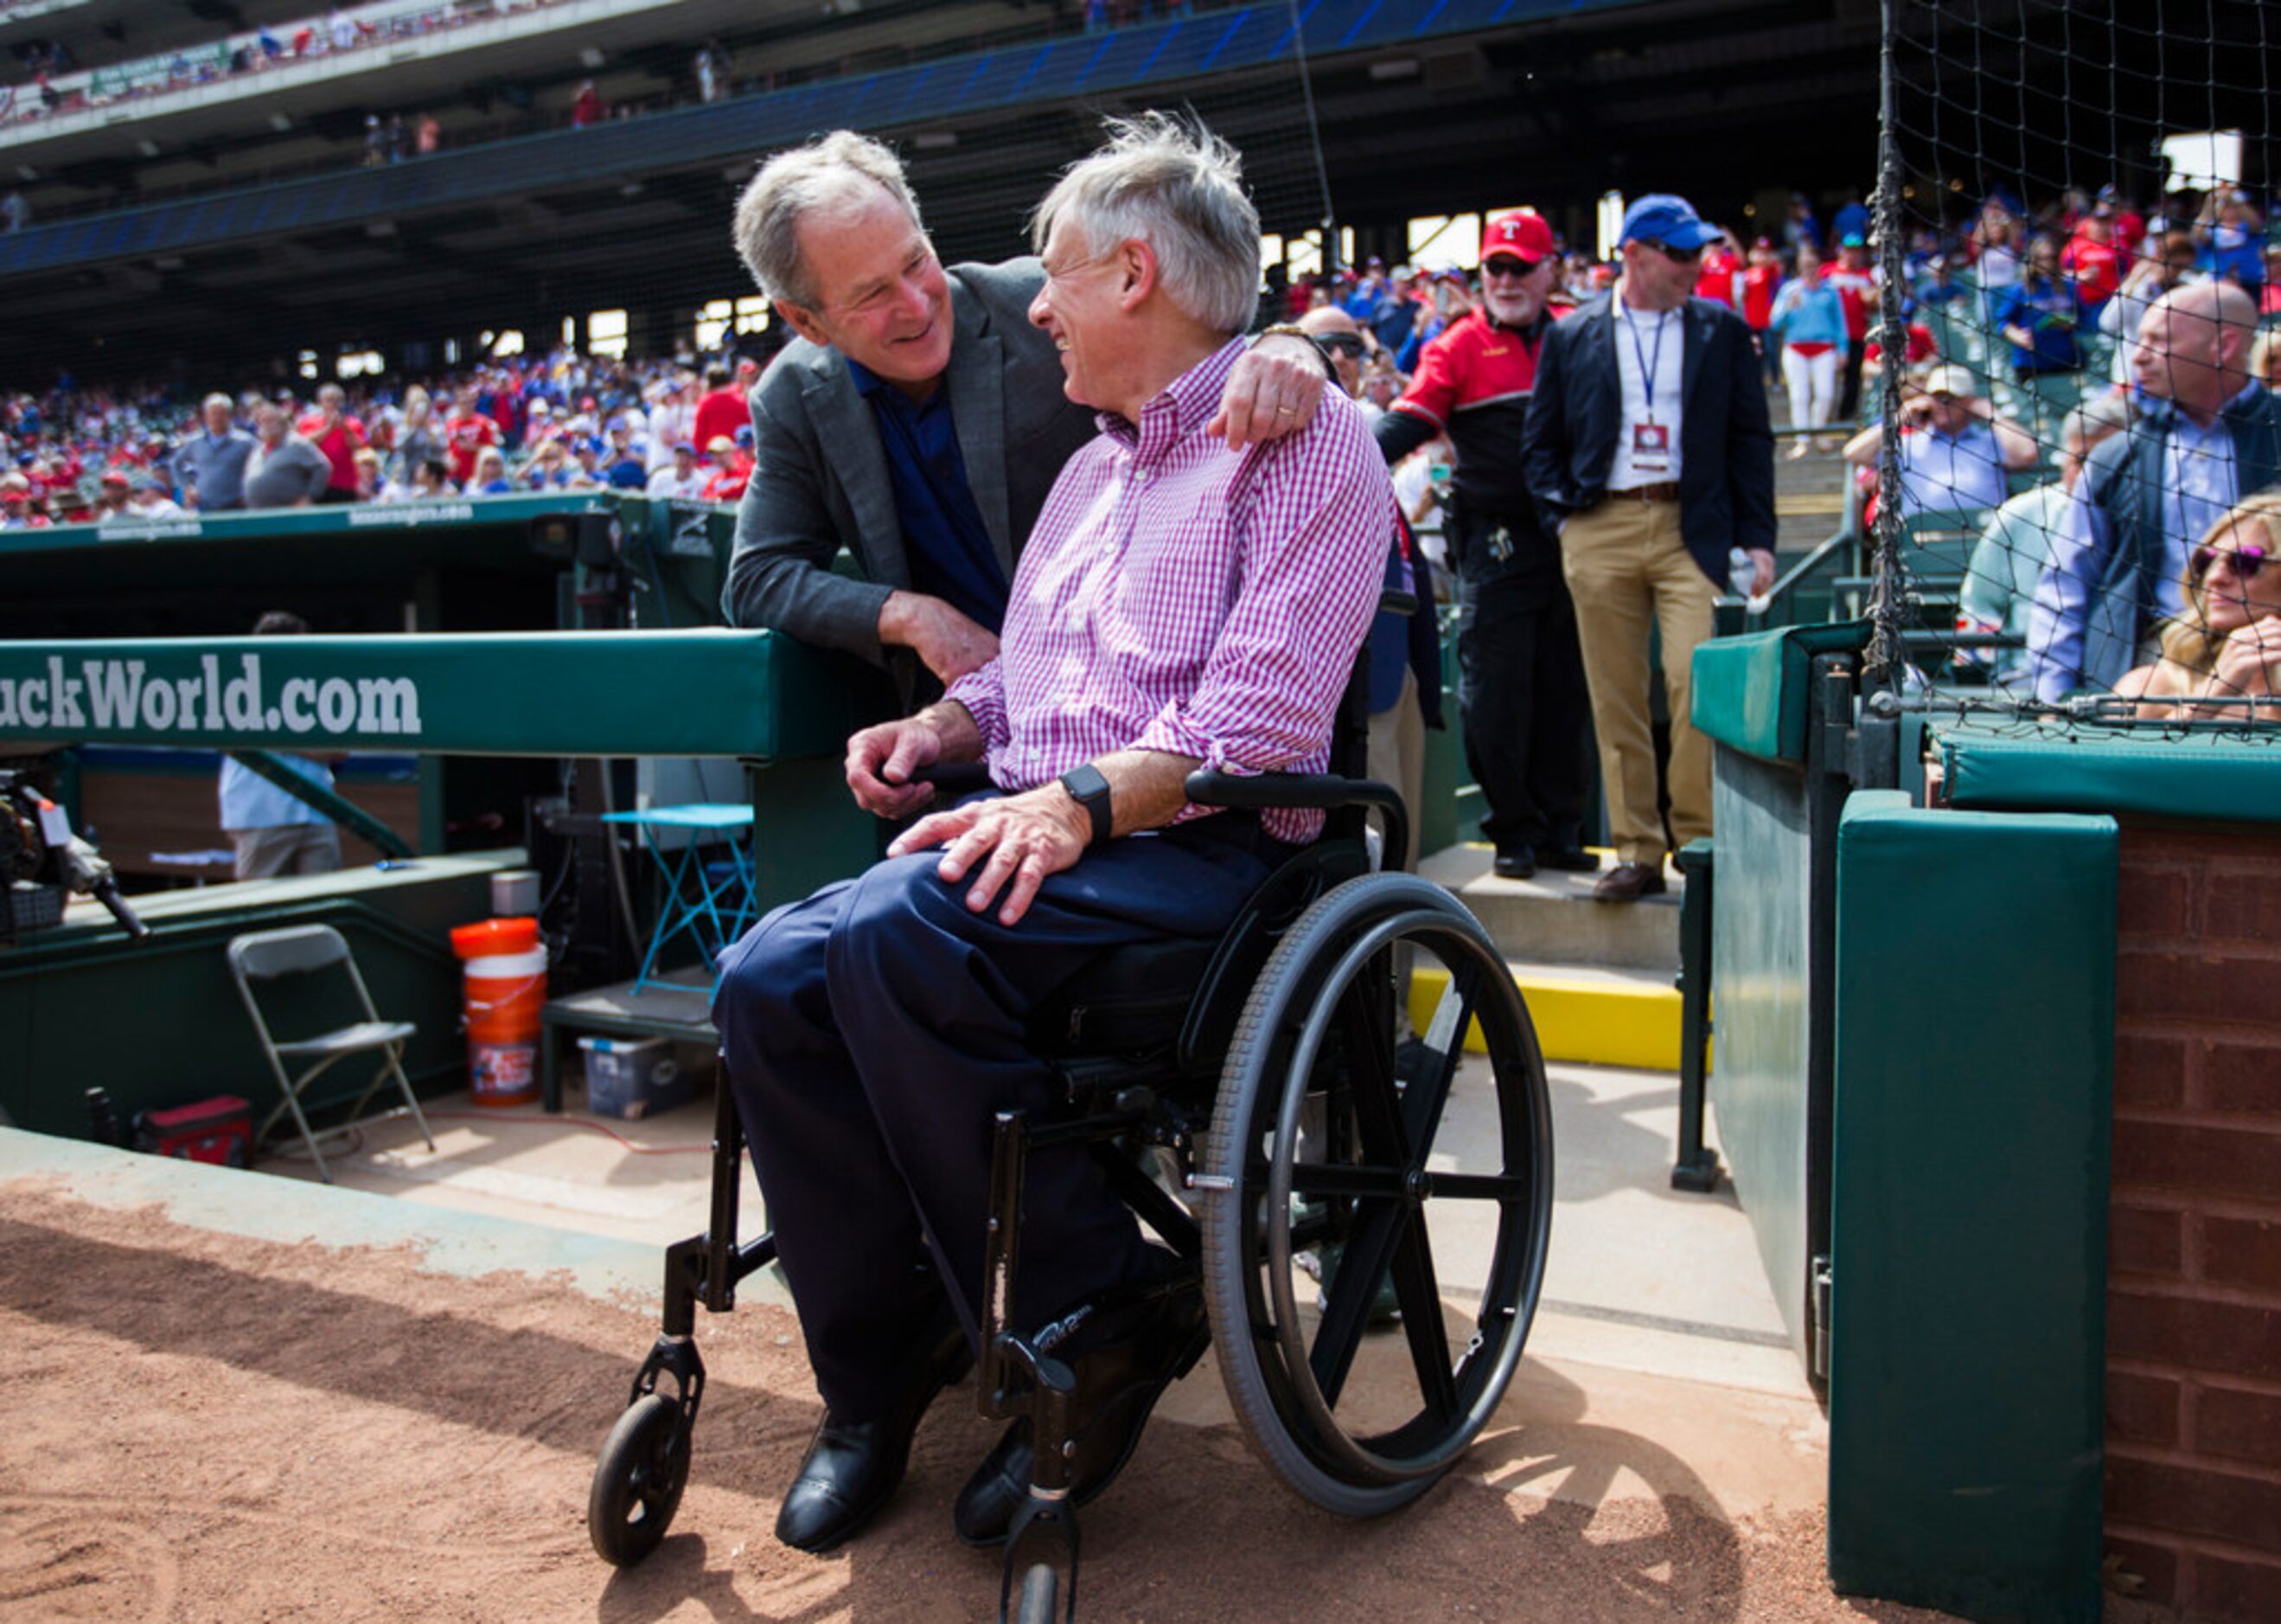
column 1319, row 1146
column 637, row 1480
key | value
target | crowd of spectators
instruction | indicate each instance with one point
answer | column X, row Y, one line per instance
column 54, row 84
column 2039, row 280
column 673, row 428
column 55, row 87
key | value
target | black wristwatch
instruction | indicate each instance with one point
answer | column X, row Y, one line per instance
column 1090, row 791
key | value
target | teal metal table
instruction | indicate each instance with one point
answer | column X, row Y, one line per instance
column 700, row 890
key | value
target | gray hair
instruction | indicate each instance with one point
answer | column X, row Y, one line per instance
column 218, row 399
column 1179, row 188
column 833, row 173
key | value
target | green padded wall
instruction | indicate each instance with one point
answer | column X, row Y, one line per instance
column 1975, row 1025
column 1761, row 935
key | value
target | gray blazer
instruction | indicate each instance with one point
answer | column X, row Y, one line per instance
column 820, row 480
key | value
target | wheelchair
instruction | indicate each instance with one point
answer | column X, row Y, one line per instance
column 1262, row 1070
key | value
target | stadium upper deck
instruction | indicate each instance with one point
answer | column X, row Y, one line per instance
column 1423, row 106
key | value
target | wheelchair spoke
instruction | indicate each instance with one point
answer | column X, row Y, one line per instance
column 1421, row 1318
column 1477, row 1186
column 1317, row 1179
column 1423, row 1100
column 1348, row 1299
column 1370, row 1063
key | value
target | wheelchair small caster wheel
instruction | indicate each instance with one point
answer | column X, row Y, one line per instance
column 638, row 1480
column 1041, row 1587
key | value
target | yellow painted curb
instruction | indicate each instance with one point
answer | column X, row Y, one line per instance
column 1597, row 1022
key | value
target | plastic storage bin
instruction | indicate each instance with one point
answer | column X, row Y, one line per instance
column 631, row 1078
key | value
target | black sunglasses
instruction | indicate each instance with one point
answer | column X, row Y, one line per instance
column 1679, row 256
column 1509, row 265
column 2246, row 562
column 1345, row 344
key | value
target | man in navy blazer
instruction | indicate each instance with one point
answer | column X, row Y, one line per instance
column 1648, row 448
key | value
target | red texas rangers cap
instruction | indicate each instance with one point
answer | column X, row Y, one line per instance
column 1517, row 234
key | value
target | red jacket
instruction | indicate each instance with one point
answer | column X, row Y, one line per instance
column 720, row 414
column 1474, row 382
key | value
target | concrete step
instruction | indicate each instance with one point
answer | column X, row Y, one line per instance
column 1552, row 919
column 1595, row 1015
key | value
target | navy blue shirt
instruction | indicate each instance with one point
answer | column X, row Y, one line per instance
column 949, row 548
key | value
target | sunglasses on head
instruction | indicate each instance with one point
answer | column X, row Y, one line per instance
column 1510, row 265
column 1345, row 344
column 2246, row 560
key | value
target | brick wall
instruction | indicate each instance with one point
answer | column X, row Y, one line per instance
column 2193, row 1299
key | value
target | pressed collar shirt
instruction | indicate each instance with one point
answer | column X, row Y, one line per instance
column 1179, row 597
column 1943, row 473
column 1647, row 341
column 2199, row 485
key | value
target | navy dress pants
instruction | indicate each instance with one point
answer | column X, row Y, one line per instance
column 873, row 1034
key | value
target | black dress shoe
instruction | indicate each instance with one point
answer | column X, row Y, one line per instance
column 1514, row 861
column 1628, row 882
column 1570, row 859
column 1117, row 1384
column 851, row 1468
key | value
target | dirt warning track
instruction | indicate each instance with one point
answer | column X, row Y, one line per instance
column 203, row 1427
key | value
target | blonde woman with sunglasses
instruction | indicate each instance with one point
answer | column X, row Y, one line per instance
column 2226, row 644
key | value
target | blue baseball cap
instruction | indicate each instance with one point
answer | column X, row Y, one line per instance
column 1659, row 217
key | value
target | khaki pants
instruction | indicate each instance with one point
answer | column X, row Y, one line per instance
column 1628, row 572
column 287, row 848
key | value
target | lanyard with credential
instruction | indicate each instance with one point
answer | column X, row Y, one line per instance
column 1647, row 363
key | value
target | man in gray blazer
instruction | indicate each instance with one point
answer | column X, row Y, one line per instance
column 918, row 421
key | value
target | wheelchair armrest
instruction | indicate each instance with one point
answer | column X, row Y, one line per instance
column 955, row 778
column 1322, row 792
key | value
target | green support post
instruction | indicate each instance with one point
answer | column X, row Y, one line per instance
column 1696, row 1169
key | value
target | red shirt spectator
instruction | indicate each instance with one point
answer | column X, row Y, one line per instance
column 1760, row 283
column 337, row 434
column 1920, row 347
column 732, row 466
column 2093, row 263
column 467, row 432
column 1854, row 283
column 1717, row 281
column 722, row 412
column 588, row 108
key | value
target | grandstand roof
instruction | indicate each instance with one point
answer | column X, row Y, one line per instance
column 1425, row 106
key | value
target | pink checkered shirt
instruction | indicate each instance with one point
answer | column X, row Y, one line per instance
column 1181, row 597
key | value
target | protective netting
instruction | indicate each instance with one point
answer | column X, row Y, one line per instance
column 2071, row 507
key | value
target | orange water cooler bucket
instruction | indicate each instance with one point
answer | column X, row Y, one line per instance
column 505, row 992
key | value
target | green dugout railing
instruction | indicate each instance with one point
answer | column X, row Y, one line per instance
column 784, row 708
column 710, row 691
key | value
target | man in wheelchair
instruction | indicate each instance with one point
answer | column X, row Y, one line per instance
column 1180, row 606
